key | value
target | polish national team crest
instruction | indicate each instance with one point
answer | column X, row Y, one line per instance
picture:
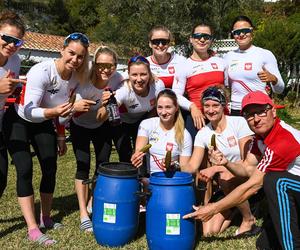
column 231, row 141
column 171, row 69
column 169, row 146
column 152, row 102
column 248, row 66
column 214, row 65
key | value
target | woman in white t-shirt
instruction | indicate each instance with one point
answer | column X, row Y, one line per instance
column 165, row 133
column 136, row 99
column 232, row 137
column 12, row 30
column 164, row 64
column 30, row 123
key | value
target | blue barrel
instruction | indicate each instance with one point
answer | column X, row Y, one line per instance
column 116, row 205
column 171, row 198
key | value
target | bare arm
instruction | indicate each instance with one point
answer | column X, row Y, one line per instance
column 193, row 164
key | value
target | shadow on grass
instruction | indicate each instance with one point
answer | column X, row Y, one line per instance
column 12, row 229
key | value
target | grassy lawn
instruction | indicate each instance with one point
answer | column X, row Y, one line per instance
column 65, row 209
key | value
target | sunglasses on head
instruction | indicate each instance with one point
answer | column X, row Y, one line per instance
column 159, row 41
column 238, row 32
column 77, row 36
column 11, row 39
column 135, row 59
column 205, row 36
column 214, row 94
column 103, row 66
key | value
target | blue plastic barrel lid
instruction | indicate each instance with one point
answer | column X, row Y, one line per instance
column 163, row 178
column 123, row 169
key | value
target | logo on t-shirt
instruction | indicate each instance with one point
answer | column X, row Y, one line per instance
column 133, row 106
column 231, row 141
column 171, row 69
column 214, row 65
column 53, row 91
column 248, row 66
column 169, row 146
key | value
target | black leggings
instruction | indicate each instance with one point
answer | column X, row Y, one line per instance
column 3, row 165
column 19, row 134
column 81, row 138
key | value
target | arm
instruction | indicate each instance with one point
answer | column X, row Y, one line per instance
column 137, row 157
column 236, row 197
column 195, row 160
column 244, row 144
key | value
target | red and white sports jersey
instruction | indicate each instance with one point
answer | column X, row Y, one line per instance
column 196, row 76
column 132, row 106
column 280, row 150
column 168, row 70
column 13, row 64
column 242, row 67
column 162, row 141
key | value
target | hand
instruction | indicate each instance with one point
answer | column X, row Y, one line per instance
column 197, row 116
column 204, row 213
column 63, row 110
column 62, row 146
column 83, row 105
column 8, row 84
column 102, row 114
column 137, row 159
column 207, row 174
column 105, row 97
column 216, row 157
column 265, row 76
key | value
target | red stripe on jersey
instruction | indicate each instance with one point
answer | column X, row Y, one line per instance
column 168, row 81
column 243, row 84
column 196, row 84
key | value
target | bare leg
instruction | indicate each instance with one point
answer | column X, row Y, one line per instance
column 27, row 208
column 81, row 190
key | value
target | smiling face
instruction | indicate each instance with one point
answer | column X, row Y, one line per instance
column 166, row 110
column 73, row 55
column 105, row 66
column 243, row 39
column 6, row 49
column 139, row 76
column 213, row 110
column 160, row 42
column 201, row 45
column 260, row 118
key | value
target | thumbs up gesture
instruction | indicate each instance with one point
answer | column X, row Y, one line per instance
column 8, row 84
column 265, row 76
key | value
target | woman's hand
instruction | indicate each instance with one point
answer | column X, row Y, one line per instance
column 265, row 76
column 105, row 97
column 216, row 157
column 83, row 105
column 137, row 159
column 63, row 110
column 207, row 174
column 197, row 116
column 102, row 114
column 8, row 84
column 62, row 146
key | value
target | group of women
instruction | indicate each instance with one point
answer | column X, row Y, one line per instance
column 167, row 100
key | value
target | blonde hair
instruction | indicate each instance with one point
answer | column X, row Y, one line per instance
column 160, row 28
column 179, row 122
column 101, row 50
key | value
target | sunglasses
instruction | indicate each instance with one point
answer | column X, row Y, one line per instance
column 103, row 66
column 11, row 39
column 135, row 59
column 77, row 36
column 238, row 32
column 159, row 41
column 259, row 113
column 215, row 95
column 199, row 36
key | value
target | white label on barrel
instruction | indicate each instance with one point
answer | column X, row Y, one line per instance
column 172, row 224
column 109, row 212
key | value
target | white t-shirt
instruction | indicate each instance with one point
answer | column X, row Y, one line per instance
column 13, row 64
column 227, row 141
column 90, row 92
column 162, row 141
column 44, row 89
column 242, row 67
column 168, row 70
column 132, row 106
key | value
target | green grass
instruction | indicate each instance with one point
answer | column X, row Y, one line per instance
column 65, row 209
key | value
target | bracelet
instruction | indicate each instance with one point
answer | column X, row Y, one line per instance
column 61, row 138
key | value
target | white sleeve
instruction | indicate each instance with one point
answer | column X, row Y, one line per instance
column 37, row 80
column 121, row 94
column 272, row 66
column 143, row 129
column 179, row 88
column 188, row 144
column 159, row 86
column 200, row 139
column 242, row 128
